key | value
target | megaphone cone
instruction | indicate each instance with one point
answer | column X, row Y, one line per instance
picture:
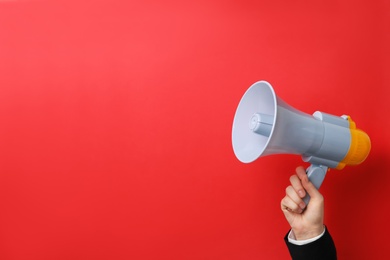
column 264, row 124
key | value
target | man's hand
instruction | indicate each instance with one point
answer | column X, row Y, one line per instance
column 306, row 221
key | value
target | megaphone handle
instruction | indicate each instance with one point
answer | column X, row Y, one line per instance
column 316, row 175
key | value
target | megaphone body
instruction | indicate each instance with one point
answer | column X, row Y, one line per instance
column 265, row 125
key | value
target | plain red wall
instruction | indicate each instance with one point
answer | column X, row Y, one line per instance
column 116, row 116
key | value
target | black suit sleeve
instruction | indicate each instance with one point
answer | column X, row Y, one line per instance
column 321, row 249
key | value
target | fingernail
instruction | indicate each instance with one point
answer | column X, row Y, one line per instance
column 302, row 205
column 301, row 193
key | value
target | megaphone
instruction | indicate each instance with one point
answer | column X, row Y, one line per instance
column 265, row 125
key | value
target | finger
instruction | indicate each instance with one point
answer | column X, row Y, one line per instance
column 287, row 204
column 295, row 197
column 301, row 173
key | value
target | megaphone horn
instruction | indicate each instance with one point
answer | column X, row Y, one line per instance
column 265, row 125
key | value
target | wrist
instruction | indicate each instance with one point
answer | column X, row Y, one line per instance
column 304, row 234
column 291, row 239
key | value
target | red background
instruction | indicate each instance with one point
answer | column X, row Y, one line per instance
column 116, row 116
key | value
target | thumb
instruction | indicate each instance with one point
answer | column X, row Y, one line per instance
column 313, row 192
column 307, row 184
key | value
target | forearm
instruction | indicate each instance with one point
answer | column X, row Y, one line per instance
column 321, row 248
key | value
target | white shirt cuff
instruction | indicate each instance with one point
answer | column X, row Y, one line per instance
column 292, row 240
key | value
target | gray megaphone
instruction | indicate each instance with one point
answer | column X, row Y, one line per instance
column 264, row 125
